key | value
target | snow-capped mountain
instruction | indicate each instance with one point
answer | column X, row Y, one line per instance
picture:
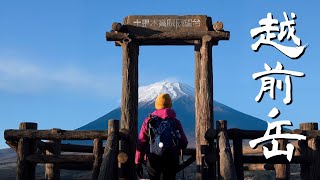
column 147, row 94
column 183, row 103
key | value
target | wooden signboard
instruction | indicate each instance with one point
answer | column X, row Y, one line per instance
column 166, row 23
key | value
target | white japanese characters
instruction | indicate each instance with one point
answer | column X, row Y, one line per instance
column 277, row 125
column 268, row 83
column 268, row 28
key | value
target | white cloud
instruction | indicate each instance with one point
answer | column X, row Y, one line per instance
column 22, row 77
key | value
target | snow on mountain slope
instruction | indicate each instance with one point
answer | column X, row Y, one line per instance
column 148, row 94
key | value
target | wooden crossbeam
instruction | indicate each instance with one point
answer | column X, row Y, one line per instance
column 216, row 36
column 57, row 159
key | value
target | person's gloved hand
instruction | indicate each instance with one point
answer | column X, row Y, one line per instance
column 139, row 169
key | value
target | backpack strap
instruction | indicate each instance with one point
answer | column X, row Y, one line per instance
column 151, row 120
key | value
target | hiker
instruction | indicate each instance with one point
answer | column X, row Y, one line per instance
column 160, row 140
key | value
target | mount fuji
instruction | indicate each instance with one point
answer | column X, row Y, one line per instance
column 184, row 104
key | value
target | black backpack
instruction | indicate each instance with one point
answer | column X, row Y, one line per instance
column 163, row 136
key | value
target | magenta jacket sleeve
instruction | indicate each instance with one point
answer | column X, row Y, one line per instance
column 142, row 142
column 183, row 141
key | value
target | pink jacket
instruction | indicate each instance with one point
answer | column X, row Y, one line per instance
column 143, row 141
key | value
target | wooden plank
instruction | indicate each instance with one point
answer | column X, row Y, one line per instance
column 147, row 25
column 32, row 146
column 113, row 127
column 58, row 159
column 22, row 164
column 52, row 171
column 247, row 150
column 204, row 108
column 76, row 166
column 77, row 148
column 282, row 170
column 168, row 36
column 245, row 134
column 56, row 135
column 197, row 60
column 13, row 145
column 28, row 125
column 43, row 146
column 116, row 26
column 254, row 134
column 309, row 133
column 25, row 169
column 275, row 160
column 238, row 154
column 129, row 100
column 89, row 149
column 167, row 42
column 109, row 164
column 308, row 126
column 310, row 151
column 186, row 163
column 123, row 156
column 97, row 147
column 220, row 126
column 258, row 167
column 314, row 156
column 226, row 166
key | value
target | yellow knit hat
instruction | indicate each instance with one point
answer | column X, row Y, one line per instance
column 163, row 101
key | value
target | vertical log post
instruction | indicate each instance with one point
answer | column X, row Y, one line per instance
column 204, row 107
column 26, row 146
column 282, row 170
column 310, row 150
column 129, row 100
column 238, row 154
column 123, row 157
column 52, row 171
column 113, row 127
column 197, row 60
column 226, row 165
column 109, row 165
column 97, row 146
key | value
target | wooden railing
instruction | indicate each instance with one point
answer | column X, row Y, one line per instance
column 111, row 161
column 107, row 162
column 307, row 153
column 31, row 150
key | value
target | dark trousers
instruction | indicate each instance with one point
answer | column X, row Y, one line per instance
column 167, row 164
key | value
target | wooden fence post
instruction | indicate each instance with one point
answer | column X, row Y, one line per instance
column 52, row 171
column 310, row 150
column 109, row 168
column 26, row 146
column 226, row 165
column 97, row 146
column 123, row 156
column 204, row 107
column 282, row 170
column 129, row 100
column 238, row 154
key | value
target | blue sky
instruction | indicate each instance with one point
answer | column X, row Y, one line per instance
column 56, row 68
